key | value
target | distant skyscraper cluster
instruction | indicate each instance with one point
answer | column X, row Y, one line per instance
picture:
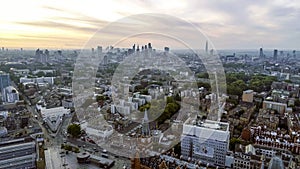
column 137, row 48
column 41, row 56
column 277, row 55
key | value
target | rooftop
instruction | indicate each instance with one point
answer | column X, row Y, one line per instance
column 209, row 124
column 207, row 129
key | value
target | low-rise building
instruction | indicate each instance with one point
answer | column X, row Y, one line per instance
column 10, row 94
column 279, row 107
column 247, row 96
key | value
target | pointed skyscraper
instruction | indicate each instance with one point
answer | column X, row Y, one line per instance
column 206, row 47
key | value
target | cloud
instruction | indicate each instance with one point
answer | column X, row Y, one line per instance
column 59, row 26
column 229, row 24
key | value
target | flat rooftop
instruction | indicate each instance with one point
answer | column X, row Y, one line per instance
column 209, row 124
column 17, row 147
column 101, row 159
column 206, row 129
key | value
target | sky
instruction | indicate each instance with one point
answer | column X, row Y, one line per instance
column 230, row 24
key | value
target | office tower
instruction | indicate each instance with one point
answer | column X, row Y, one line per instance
column 45, row 56
column 47, row 52
column 294, row 53
column 167, row 49
column 4, row 81
column 2, row 49
column 105, row 60
column 137, row 48
column 38, row 55
column 93, row 52
column 133, row 47
column 149, row 46
column 206, row 47
column 59, row 52
column 211, row 52
column 275, row 55
column 281, row 54
column 99, row 50
column 261, row 53
column 145, row 125
column 142, row 48
column 205, row 140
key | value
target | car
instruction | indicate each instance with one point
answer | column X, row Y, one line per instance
column 104, row 155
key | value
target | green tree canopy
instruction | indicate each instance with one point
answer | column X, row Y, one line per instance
column 233, row 142
column 74, row 130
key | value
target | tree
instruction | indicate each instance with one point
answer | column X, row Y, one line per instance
column 260, row 83
column 40, row 74
column 297, row 102
column 233, row 142
column 236, row 87
column 177, row 97
column 74, row 130
column 48, row 74
column 100, row 98
column 203, row 75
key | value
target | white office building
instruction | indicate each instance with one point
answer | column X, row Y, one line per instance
column 10, row 95
column 205, row 140
column 38, row 80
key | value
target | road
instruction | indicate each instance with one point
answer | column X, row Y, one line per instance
column 89, row 147
column 52, row 144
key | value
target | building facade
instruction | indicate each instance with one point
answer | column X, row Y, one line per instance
column 206, row 141
column 247, row 96
column 10, row 95
column 279, row 107
column 4, row 81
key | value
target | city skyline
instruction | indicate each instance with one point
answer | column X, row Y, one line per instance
column 230, row 25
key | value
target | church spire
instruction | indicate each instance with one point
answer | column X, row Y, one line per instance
column 145, row 125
